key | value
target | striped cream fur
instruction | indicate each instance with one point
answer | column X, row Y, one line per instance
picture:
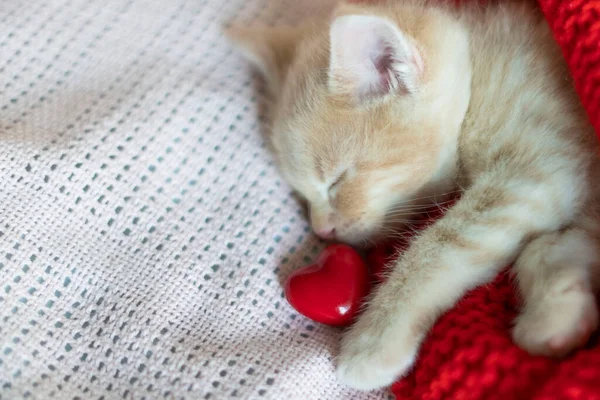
column 381, row 109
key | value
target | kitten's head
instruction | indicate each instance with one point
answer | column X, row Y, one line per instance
column 367, row 110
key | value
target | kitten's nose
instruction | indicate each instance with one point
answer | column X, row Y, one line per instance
column 326, row 233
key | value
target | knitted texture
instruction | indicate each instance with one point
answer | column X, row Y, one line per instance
column 469, row 353
column 144, row 229
column 576, row 28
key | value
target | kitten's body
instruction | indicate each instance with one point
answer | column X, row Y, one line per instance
column 392, row 103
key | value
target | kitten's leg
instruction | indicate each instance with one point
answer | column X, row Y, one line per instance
column 481, row 234
column 557, row 275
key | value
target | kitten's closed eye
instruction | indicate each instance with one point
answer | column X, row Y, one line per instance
column 336, row 183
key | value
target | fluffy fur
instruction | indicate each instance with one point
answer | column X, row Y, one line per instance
column 383, row 108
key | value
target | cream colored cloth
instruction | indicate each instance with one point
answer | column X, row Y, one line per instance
column 144, row 229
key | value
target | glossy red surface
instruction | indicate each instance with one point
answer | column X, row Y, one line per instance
column 331, row 290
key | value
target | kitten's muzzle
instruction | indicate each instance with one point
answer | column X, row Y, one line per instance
column 326, row 232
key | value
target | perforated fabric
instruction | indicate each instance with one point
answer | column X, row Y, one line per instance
column 143, row 226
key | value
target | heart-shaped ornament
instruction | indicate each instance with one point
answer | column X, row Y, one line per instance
column 332, row 289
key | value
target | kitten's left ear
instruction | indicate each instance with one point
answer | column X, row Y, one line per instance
column 371, row 58
column 271, row 50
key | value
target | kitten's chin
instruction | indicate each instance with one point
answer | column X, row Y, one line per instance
column 362, row 240
column 357, row 242
column 369, row 238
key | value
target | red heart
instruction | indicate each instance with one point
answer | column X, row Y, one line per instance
column 331, row 290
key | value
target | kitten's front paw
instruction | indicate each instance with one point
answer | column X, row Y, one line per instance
column 372, row 360
column 558, row 324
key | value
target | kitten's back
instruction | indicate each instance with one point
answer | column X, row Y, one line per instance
column 523, row 103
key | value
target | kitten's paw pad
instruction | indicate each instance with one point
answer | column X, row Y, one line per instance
column 558, row 325
column 369, row 364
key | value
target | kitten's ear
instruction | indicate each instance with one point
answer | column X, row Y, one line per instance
column 371, row 58
column 269, row 49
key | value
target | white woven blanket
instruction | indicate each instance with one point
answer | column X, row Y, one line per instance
column 144, row 230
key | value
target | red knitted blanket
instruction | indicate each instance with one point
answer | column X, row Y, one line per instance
column 469, row 353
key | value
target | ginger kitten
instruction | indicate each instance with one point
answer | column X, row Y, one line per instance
column 384, row 107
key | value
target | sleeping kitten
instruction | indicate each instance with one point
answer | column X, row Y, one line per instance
column 383, row 106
